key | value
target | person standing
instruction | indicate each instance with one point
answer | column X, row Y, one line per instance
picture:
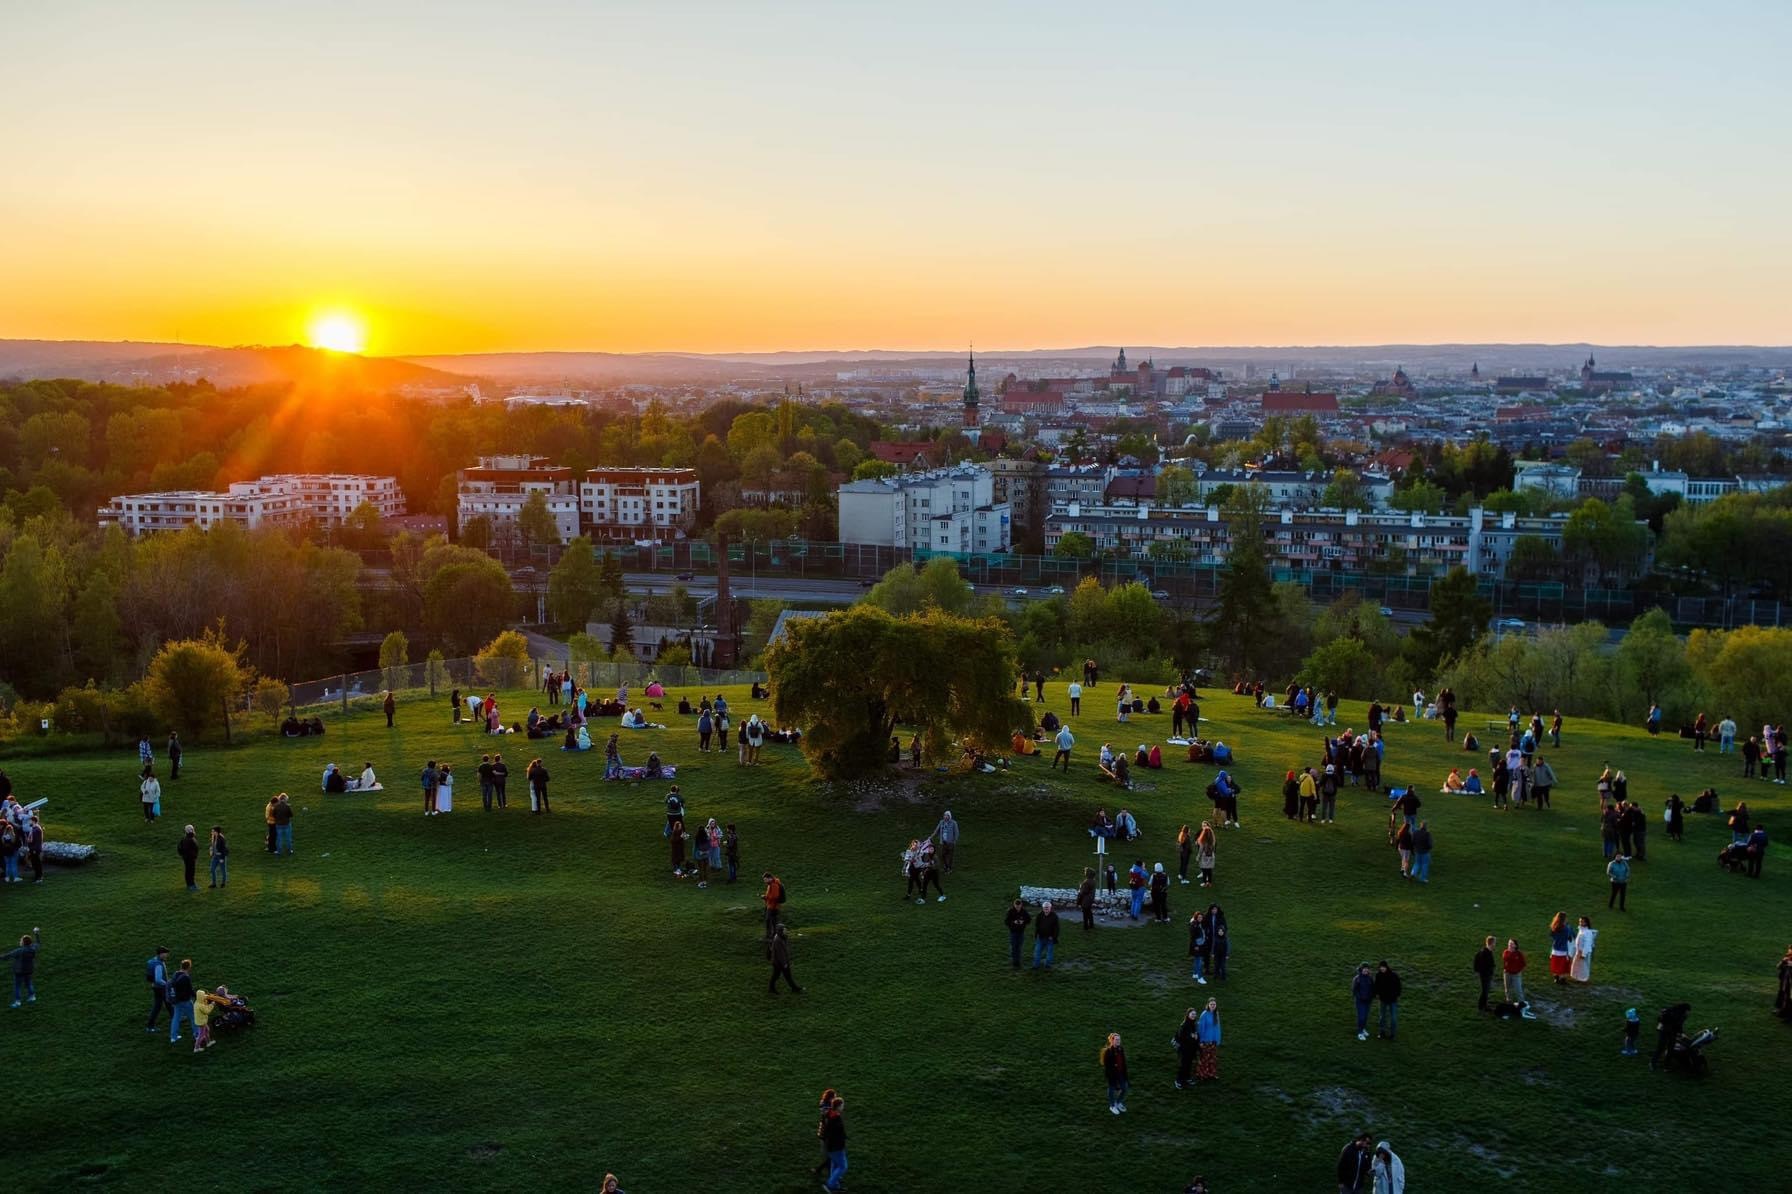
column 1188, row 1047
column 1726, row 736
column 1085, row 898
column 1045, row 935
column 34, row 848
column 283, row 823
column 1388, row 1170
column 267, row 815
column 1208, row 1026
column 538, row 787
column 444, row 789
column 486, row 788
column 390, row 706
column 1075, row 692
column 1618, row 870
column 1205, row 841
column 1017, row 919
column 454, row 705
column 1580, row 967
column 156, row 972
column 1113, row 1068
column 1038, row 688
column 24, row 966
column 781, row 961
column 1065, row 741
column 1362, row 991
column 150, row 792
column 1160, row 894
column 1387, row 993
column 188, row 849
column 174, row 753
column 947, row 834
column 1136, row 880
column 429, row 779
column 1560, row 935
column 1555, row 729
column 1484, row 971
column 500, row 776
column 833, row 1141
column 180, row 999
column 705, row 729
column 1200, row 946
column 1512, row 965
column 1353, row 1164
column 1667, row 1029
column 731, row 851
column 773, row 898
column 1185, row 847
column 220, row 858
column 146, row 755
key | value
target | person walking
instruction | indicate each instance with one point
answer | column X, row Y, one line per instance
column 1353, row 1164
column 1045, row 935
column 1512, row 963
column 1065, row 741
column 188, row 849
column 706, row 728
column 773, row 899
column 1017, row 919
column 1387, row 993
column 1113, row 1068
column 1580, row 966
column 390, row 706
column 155, row 971
column 1421, row 852
column 1075, row 692
column 174, row 753
column 1362, row 991
column 180, row 999
column 1188, row 1047
column 149, row 791
column 220, row 858
column 1200, row 946
column 1618, row 870
column 1205, row 843
column 833, row 1142
column 283, row 823
column 1484, row 964
column 24, row 966
column 946, row 833
column 781, row 961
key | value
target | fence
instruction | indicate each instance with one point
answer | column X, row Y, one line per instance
column 441, row 677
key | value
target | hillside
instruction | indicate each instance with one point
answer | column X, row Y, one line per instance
column 155, row 364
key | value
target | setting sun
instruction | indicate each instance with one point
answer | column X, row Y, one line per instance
column 338, row 333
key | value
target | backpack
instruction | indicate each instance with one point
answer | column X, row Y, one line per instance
column 783, row 892
column 149, row 972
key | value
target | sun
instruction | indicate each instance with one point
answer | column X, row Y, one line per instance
column 338, row 332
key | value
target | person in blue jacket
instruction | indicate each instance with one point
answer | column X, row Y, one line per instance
column 1207, row 1069
column 1362, row 989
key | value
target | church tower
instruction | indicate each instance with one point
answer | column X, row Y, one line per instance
column 971, row 394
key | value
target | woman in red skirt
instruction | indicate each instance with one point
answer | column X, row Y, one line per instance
column 1560, row 934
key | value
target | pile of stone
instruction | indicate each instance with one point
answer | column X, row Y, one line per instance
column 1107, row 907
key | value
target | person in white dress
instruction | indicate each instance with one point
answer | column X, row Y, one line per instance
column 1580, row 954
column 445, row 790
column 369, row 781
column 150, row 790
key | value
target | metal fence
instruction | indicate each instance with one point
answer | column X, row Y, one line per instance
column 475, row 676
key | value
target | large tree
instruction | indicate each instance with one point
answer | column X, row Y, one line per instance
column 852, row 677
column 1246, row 620
column 1459, row 616
column 576, row 586
column 193, row 683
column 467, row 603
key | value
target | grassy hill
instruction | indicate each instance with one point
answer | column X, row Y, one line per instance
column 507, row 1001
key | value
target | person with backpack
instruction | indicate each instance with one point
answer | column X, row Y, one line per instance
column 832, row 1130
column 1113, row 1068
column 1160, row 894
column 773, row 898
column 155, row 972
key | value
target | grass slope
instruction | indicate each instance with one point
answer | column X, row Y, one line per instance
column 501, row 1002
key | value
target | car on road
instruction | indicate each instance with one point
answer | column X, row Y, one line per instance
column 1511, row 623
column 865, row 582
column 1385, row 612
column 1017, row 592
column 1056, row 590
column 1161, row 594
column 686, row 576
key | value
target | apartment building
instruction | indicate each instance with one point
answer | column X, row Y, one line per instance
column 283, row 499
column 603, row 503
column 1329, row 540
column 949, row 510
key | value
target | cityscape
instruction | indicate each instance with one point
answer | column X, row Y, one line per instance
column 1265, row 514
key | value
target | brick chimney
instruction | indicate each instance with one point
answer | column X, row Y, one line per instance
column 727, row 641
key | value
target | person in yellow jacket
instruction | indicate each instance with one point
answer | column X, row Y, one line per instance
column 1309, row 796
column 202, row 1015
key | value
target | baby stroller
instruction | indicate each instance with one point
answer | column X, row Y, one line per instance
column 1733, row 858
column 233, row 1017
column 1689, row 1051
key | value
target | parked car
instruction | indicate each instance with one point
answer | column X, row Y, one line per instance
column 1018, row 592
column 686, row 576
column 1161, row 594
column 1056, row 590
column 1511, row 623
column 1385, row 612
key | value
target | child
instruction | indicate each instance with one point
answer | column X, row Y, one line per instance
column 1632, row 1026
column 202, row 1015
column 1113, row 879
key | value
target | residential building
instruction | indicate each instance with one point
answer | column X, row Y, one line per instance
column 1289, row 488
column 283, row 499
column 603, row 503
column 1020, row 484
column 498, row 487
column 945, row 510
column 1557, row 480
column 1325, row 540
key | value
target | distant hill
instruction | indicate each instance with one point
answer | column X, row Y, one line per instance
column 601, row 368
column 135, row 363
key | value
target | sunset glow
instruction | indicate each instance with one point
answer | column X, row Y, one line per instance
column 338, row 333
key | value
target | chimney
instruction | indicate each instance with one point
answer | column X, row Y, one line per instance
column 727, row 648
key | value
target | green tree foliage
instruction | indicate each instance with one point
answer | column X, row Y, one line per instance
column 586, row 648
column 1606, row 542
column 1459, row 616
column 270, row 698
column 97, row 629
column 1739, row 539
column 1343, row 666
column 192, row 683
column 622, row 630
column 1533, row 558
column 1176, row 486
column 503, row 662
column 1652, row 660
column 1245, row 623
column 1346, row 491
column 1748, row 674
column 853, row 677
column 1074, row 545
column 873, row 470
column 757, row 526
column 936, row 585
column 1419, row 496
column 751, row 431
column 395, row 653
column 466, row 604
column 535, row 522
column 576, row 586
column 33, row 589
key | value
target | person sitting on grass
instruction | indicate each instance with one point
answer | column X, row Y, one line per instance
column 1453, row 781
column 1023, row 745
column 369, row 782
column 1472, row 785
column 1126, row 825
column 1102, row 825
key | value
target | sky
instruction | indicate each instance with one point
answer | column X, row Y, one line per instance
column 469, row 177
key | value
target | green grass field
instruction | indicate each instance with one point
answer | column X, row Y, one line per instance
column 481, row 1001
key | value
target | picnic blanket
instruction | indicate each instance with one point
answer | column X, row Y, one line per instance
column 668, row 771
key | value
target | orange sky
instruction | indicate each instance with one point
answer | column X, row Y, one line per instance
column 700, row 177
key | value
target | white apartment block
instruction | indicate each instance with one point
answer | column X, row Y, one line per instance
column 605, row 503
column 285, row 499
column 946, row 510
